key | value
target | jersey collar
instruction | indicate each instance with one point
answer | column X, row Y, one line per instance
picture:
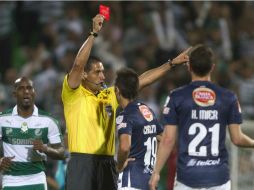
column 200, row 82
column 15, row 111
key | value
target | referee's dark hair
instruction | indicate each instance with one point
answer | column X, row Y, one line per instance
column 127, row 82
column 201, row 60
column 91, row 60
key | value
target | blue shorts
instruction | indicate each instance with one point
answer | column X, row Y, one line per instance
column 134, row 176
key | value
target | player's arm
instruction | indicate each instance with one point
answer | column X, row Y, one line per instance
column 54, row 151
column 123, row 151
column 75, row 75
column 158, row 137
column 152, row 75
column 55, row 148
column 5, row 163
column 239, row 138
column 166, row 146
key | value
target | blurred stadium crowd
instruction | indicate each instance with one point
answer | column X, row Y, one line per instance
column 40, row 40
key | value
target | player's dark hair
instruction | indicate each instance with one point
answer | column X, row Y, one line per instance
column 19, row 80
column 127, row 82
column 201, row 60
column 91, row 60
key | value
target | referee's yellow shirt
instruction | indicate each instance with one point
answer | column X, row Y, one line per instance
column 90, row 120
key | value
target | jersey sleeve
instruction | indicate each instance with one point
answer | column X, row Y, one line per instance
column 68, row 94
column 54, row 133
column 123, row 125
column 169, row 111
column 235, row 115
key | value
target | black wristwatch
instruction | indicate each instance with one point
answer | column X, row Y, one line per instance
column 93, row 33
column 171, row 64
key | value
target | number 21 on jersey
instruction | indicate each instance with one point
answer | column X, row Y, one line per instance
column 201, row 132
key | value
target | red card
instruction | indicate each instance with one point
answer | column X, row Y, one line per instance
column 105, row 11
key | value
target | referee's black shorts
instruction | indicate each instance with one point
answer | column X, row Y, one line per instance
column 91, row 172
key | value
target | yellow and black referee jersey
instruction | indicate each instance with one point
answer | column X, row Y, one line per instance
column 90, row 119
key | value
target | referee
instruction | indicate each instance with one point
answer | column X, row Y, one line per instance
column 90, row 110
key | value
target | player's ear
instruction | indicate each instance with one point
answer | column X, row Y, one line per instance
column 188, row 66
column 116, row 90
column 213, row 67
column 117, row 93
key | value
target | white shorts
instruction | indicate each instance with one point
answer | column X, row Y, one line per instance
column 33, row 179
column 180, row 186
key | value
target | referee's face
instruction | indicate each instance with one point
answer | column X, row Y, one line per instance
column 95, row 77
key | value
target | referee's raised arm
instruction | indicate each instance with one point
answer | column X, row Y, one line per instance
column 75, row 75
